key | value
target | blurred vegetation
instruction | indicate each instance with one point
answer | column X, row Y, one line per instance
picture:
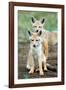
column 24, row 22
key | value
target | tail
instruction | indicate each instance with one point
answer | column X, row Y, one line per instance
column 49, row 67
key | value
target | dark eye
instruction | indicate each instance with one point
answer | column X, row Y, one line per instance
column 35, row 26
column 37, row 40
column 39, row 26
column 32, row 40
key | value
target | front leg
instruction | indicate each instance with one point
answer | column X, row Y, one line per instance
column 45, row 66
column 31, row 70
column 31, row 64
column 29, row 61
column 40, row 67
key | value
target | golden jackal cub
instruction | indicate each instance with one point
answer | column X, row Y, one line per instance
column 47, row 37
column 36, row 52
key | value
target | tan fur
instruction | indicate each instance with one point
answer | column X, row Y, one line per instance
column 47, row 37
column 37, row 25
column 36, row 52
column 45, row 47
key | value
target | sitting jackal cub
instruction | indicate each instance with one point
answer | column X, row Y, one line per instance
column 36, row 52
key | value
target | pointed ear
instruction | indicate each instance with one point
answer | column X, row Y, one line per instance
column 39, row 34
column 29, row 33
column 42, row 20
column 33, row 20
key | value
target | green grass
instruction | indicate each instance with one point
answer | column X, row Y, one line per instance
column 24, row 22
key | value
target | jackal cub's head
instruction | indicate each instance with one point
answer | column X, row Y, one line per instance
column 35, row 39
column 38, row 24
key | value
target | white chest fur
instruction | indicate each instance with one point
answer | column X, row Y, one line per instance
column 36, row 52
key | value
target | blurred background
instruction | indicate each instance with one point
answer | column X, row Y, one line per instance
column 24, row 22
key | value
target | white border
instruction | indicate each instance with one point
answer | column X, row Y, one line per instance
column 24, row 81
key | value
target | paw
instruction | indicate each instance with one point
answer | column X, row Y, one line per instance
column 37, row 70
column 41, row 73
column 45, row 69
column 31, row 72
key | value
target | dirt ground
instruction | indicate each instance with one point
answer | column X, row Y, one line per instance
column 23, row 49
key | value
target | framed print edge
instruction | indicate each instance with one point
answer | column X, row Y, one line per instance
column 62, row 43
column 11, row 44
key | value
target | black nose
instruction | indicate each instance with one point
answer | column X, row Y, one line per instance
column 34, row 45
column 36, row 30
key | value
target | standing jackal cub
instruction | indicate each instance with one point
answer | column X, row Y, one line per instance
column 36, row 52
column 37, row 26
column 48, row 38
